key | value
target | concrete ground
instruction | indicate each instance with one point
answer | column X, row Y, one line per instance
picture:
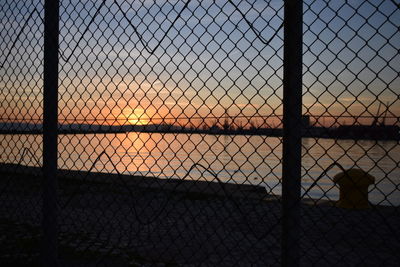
column 108, row 220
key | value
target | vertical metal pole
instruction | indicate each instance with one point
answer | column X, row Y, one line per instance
column 292, row 108
column 50, row 123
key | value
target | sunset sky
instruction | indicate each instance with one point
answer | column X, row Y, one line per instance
column 210, row 61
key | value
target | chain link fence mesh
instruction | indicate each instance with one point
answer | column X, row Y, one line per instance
column 351, row 95
column 173, row 81
column 21, row 109
column 170, row 132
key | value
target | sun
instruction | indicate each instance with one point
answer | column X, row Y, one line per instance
column 136, row 116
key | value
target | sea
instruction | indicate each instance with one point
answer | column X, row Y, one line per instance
column 241, row 159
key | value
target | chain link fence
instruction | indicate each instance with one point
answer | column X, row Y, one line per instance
column 351, row 94
column 180, row 134
column 21, row 109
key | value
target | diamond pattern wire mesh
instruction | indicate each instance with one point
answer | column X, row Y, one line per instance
column 173, row 80
column 21, row 82
column 170, row 131
column 351, row 92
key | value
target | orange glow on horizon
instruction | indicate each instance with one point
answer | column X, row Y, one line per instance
column 135, row 116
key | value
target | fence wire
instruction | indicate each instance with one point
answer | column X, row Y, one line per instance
column 170, row 136
column 351, row 94
column 21, row 109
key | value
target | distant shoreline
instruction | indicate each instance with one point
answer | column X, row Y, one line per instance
column 326, row 133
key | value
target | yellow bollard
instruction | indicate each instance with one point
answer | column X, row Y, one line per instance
column 353, row 186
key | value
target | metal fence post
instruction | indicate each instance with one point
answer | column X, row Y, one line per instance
column 50, row 124
column 292, row 106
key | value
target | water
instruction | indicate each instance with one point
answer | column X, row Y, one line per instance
column 235, row 159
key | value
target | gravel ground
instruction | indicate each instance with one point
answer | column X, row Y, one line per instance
column 132, row 224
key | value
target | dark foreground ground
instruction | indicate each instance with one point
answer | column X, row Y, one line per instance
column 109, row 220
